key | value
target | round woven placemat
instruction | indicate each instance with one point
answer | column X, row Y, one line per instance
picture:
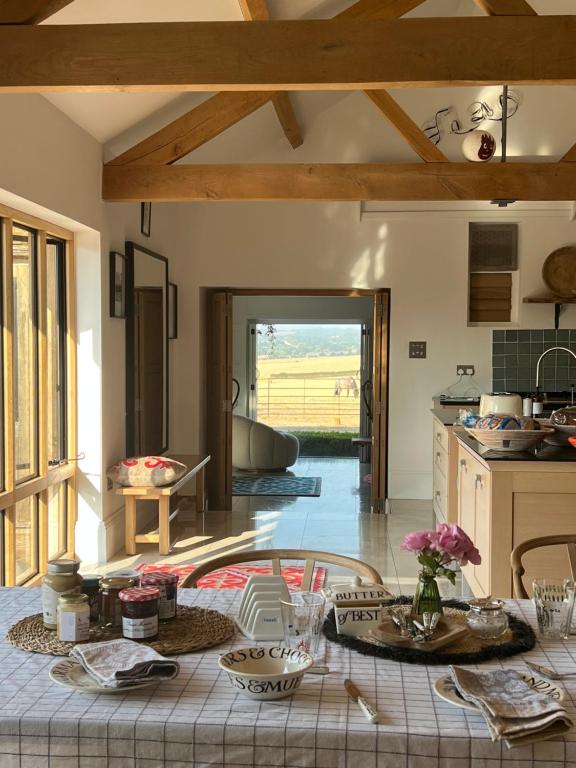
column 518, row 638
column 192, row 630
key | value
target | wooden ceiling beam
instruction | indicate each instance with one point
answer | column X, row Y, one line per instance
column 257, row 10
column 403, row 123
column 379, row 9
column 331, row 55
column 506, row 7
column 193, row 129
column 29, row 11
column 347, row 182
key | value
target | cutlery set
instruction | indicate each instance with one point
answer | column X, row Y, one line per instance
column 409, row 627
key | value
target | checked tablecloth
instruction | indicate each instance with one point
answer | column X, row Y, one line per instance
column 199, row 720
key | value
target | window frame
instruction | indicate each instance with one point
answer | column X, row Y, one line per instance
column 47, row 476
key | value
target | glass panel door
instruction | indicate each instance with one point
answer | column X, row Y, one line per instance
column 57, row 520
column 25, row 354
column 56, row 349
column 26, row 516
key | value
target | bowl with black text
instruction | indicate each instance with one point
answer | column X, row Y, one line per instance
column 266, row 673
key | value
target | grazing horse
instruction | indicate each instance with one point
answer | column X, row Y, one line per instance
column 347, row 384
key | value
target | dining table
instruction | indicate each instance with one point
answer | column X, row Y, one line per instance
column 198, row 719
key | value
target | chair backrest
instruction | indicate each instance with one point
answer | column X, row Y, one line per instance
column 518, row 569
column 276, row 556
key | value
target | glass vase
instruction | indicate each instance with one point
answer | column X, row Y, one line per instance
column 427, row 596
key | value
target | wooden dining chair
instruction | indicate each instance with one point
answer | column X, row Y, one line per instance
column 518, row 569
column 277, row 555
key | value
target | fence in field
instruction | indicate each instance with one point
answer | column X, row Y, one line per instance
column 328, row 400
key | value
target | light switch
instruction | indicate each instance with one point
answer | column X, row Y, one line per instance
column 417, row 349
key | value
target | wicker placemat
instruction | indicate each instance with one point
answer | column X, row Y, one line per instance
column 518, row 638
column 192, row 630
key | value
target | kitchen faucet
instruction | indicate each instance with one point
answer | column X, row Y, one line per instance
column 543, row 355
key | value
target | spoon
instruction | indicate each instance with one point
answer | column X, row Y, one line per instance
column 547, row 672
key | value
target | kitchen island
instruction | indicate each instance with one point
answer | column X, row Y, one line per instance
column 505, row 498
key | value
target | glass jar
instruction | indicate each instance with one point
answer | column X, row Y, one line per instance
column 61, row 578
column 73, row 618
column 487, row 619
column 91, row 587
column 140, row 612
column 167, row 583
column 109, row 608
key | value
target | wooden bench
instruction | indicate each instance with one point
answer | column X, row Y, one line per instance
column 163, row 495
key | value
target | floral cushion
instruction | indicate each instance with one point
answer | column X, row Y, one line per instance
column 146, row 470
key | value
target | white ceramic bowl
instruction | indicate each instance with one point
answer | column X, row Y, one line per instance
column 266, row 673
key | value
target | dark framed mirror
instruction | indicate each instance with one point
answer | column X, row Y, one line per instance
column 146, row 351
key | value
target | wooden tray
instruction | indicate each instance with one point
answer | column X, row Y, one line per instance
column 192, row 630
column 559, row 272
column 447, row 632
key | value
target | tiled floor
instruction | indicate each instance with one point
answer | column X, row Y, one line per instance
column 338, row 520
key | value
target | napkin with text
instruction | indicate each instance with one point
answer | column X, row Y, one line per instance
column 513, row 711
column 119, row 663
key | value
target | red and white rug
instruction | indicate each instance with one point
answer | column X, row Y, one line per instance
column 236, row 576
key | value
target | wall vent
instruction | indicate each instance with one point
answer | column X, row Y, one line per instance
column 493, row 247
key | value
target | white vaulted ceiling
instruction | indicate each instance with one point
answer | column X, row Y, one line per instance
column 337, row 127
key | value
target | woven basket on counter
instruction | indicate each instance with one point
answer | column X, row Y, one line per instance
column 509, row 439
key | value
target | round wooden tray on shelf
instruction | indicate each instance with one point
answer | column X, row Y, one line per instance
column 559, row 272
column 193, row 629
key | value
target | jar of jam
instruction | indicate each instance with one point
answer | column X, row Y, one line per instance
column 140, row 612
column 91, row 588
column 167, row 583
column 73, row 618
column 62, row 578
column 109, row 608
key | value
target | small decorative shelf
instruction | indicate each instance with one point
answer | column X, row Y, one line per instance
column 550, row 298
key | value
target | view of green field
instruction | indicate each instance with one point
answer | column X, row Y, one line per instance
column 316, row 392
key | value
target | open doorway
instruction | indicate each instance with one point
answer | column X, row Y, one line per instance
column 307, row 378
column 298, row 376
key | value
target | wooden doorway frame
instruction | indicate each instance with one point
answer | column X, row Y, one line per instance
column 219, row 367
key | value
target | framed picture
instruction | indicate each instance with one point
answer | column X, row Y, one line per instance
column 172, row 311
column 145, row 218
column 117, row 284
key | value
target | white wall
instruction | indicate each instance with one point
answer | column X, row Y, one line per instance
column 314, row 245
column 274, row 309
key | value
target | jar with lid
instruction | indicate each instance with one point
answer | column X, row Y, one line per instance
column 62, row 578
column 110, row 610
column 91, row 587
column 487, row 619
column 167, row 583
column 73, row 618
column 140, row 612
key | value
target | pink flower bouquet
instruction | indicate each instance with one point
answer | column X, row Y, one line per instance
column 437, row 549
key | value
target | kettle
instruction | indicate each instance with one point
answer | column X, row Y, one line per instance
column 500, row 402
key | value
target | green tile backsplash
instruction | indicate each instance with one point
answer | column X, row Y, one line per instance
column 514, row 357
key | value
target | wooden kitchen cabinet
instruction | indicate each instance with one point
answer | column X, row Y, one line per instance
column 504, row 502
column 445, row 469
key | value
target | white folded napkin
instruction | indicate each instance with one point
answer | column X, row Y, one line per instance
column 513, row 711
column 119, row 663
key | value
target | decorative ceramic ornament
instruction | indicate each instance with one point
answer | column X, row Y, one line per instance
column 479, row 146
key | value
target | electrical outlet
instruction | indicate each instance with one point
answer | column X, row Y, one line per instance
column 417, row 349
column 465, row 370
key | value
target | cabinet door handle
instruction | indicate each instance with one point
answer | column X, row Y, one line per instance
column 438, row 458
column 480, row 481
column 463, row 465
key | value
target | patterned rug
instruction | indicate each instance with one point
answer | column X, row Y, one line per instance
column 236, row 576
column 275, row 485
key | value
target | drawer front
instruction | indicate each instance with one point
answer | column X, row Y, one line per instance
column 440, row 496
column 441, row 460
column 441, row 436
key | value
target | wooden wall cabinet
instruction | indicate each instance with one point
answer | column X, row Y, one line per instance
column 502, row 503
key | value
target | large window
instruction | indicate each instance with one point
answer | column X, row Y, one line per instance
column 37, row 501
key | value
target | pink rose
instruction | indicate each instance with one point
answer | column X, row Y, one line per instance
column 418, row 541
column 456, row 544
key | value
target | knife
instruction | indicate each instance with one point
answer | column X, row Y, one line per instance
column 369, row 712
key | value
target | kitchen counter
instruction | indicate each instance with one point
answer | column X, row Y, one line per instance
column 448, row 416
column 542, row 453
